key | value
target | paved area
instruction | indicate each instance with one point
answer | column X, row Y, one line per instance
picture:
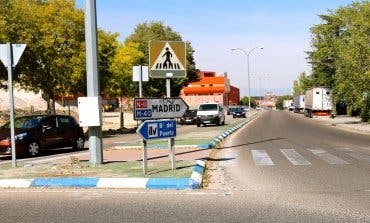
column 122, row 154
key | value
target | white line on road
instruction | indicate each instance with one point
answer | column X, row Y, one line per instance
column 261, row 157
column 355, row 154
column 328, row 157
column 294, row 157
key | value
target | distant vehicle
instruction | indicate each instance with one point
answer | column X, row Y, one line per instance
column 41, row 132
column 190, row 117
column 210, row 113
column 239, row 112
column 288, row 104
column 230, row 110
column 299, row 103
column 318, row 102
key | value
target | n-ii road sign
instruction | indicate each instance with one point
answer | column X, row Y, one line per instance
column 159, row 108
column 167, row 59
column 157, row 129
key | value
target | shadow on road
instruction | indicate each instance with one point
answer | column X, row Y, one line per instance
column 251, row 143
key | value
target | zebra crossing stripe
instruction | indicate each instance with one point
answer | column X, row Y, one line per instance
column 328, row 157
column 294, row 157
column 261, row 157
column 355, row 154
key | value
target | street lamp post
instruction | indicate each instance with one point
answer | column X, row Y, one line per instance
column 249, row 80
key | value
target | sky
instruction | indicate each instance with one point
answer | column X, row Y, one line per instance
column 214, row 27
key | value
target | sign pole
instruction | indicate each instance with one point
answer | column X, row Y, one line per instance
column 171, row 141
column 11, row 102
column 143, row 141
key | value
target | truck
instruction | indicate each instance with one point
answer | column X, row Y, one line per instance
column 318, row 102
column 299, row 103
column 287, row 104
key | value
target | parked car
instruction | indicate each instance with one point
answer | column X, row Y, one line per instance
column 239, row 112
column 210, row 113
column 41, row 132
column 190, row 117
column 230, row 110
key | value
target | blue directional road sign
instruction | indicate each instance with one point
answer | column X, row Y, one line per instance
column 157, row 129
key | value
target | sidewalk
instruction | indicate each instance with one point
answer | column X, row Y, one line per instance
column 347, row 122
column 122, row 168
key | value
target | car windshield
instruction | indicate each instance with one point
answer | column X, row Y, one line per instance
column 24, row 122
column 239, row 109
column 208, row 107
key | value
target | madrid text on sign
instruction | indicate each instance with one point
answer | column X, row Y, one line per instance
column 156, row 108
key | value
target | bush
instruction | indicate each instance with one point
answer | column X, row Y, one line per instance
column 365, row 111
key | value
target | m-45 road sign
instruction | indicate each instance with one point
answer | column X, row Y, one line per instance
column 159, row 108
column 157, row 129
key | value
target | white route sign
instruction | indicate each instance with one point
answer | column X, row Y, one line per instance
column 159, row 108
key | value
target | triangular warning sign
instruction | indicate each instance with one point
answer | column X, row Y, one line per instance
column 167, row 60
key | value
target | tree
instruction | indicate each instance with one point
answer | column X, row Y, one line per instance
column 148, row 31
column 121, row 83
column 245, row 102
column 302, row 84
column 340, row 56
column 54, row 33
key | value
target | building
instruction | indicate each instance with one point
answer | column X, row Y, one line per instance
column 269, row 101
column 210, row 87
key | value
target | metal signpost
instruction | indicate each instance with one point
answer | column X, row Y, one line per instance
column 10, row 55
column 140, row 74
column 167, row 59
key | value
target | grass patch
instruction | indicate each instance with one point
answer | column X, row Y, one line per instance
column 160, row 169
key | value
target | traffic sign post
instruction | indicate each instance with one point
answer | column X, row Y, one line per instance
column 157, row 129
column 10, row 55
column 159, row 108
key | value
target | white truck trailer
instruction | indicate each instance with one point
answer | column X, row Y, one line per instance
column 318, row 102
column 287, row 104
column 299, row 103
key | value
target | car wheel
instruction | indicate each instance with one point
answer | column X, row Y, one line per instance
column 33, row 149
column 79, row 143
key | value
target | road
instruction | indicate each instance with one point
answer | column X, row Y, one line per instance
column 305, row 167
column 328, row 181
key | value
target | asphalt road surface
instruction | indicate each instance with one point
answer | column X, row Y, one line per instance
column 279, row 168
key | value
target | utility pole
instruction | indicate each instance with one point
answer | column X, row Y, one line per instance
column 92, row 76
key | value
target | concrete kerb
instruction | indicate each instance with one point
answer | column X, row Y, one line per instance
column 194, row 182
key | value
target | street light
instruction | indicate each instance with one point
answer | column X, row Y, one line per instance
column 249, row 81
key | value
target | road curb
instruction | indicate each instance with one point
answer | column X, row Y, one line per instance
column 216, row 140
column 194, row 182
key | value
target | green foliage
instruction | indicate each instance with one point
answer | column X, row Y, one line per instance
column 121, row 83
column 54, row 33
column 301, row 85
column 148, row 31
column 341, row 54
column 365, row 113
column 244, row 101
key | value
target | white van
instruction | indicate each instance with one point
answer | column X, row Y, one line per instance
column 210, row 113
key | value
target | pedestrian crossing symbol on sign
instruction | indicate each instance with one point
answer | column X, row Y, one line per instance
column 167, row 59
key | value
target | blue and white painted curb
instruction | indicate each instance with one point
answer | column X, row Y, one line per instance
column 222, row 136
column 194, row 182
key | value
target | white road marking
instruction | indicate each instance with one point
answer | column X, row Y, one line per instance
column 261, row 157
column 294, row 157
column 355, row 154
column 328, row 157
